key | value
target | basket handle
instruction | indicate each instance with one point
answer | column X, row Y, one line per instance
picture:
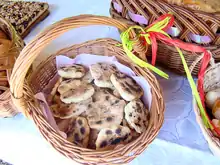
column 32, row 50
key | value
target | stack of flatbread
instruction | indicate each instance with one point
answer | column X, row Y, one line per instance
column 99, row 107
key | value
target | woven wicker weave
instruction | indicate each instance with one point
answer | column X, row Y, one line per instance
column 186, row 20
column 211, row 82
column 6, row 106
column 23, row 89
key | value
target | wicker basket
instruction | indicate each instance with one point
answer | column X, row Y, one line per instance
column 23, row 89
column 211, row 82
column 188, row 23
column 6, row 106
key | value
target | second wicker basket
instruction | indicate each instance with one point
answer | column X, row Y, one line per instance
column 7, row 108
column 190, row 26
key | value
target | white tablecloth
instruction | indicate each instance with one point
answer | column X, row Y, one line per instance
column 180, row 141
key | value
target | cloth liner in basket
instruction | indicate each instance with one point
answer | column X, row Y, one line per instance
column 24, row 88
column 7, row 108
column 190, row 26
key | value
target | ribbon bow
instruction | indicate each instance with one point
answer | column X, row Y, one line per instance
column 157, row 31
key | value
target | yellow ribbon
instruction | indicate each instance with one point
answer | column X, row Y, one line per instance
column 194, row 91
column 128, row 46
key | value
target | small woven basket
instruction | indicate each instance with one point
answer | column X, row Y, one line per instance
column 211, row 82
column 23, row 89
column 6, row 106
column 188, row 22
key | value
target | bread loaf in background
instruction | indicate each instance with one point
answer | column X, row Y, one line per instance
column 209, row 6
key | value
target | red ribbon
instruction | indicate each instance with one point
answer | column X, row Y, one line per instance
column 185, row 46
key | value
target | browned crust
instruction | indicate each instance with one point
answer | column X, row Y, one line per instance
column 39, row 19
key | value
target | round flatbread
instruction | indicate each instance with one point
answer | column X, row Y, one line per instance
column 78, row 132
column 78, row 94
column 73, row 71
column 106, row 110
column 65, row 111
column 126, row 86
column 101, row 72
column 136, row 116
column 108, row 138
column 68, row 84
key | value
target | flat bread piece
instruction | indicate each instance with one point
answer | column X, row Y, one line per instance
column 106, row 110
column 126, row 86
column 73, row 71
column 136, row 116
column 75, row 95
column 101, row 72
column 108, row 138
column 65, row 111
column 78, row 132
column 68, row 85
